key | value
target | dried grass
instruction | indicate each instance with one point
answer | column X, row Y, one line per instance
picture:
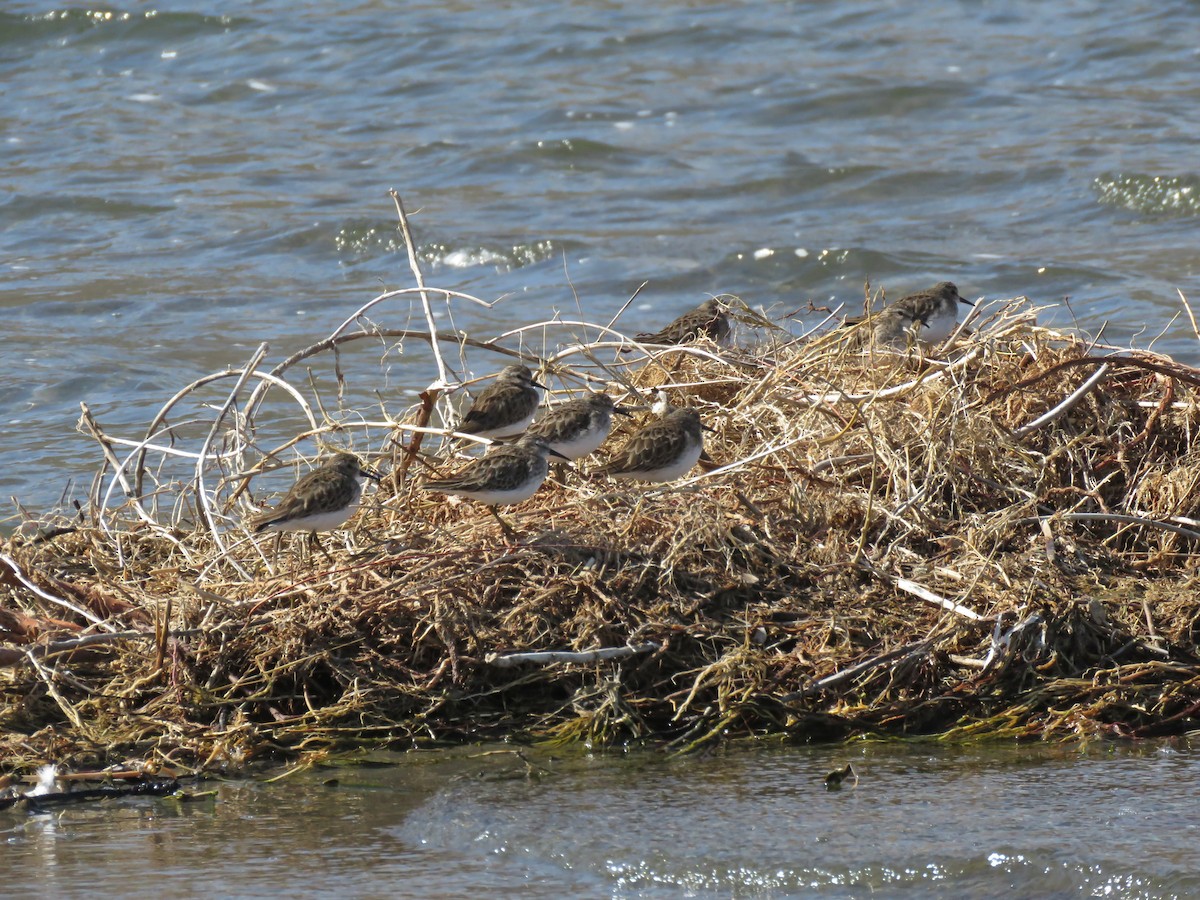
column 887, row 543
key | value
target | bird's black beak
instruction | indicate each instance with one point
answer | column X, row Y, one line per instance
column 370, row 473
column 962, row 299
column 622, row 411
column 704, row 427
column 554, row 452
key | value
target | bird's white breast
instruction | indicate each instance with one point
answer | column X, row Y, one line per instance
column 938, row 327
column 583, row 443
column 677, row 469
column 493, row 497
column 321, row 521
column 510, row 430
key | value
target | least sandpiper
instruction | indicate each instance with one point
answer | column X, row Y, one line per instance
column 505, row 408
column 708, row 320
column 320, row 501
column 935, row 309
column 662, row 451
column 891, row 327
column 576, row 428
column 506, row 474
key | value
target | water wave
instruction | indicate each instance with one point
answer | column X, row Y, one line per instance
column 369, row 240
column 112, row 23
column 1177, row 195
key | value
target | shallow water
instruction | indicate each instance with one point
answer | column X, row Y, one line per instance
column 180, row 184
column 923, row 821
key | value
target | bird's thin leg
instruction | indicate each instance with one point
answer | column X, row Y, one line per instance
column 316, row 541
column 507, row 528
column 278, row 551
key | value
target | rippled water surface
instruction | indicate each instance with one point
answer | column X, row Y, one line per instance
column 183, row 182
column 921, row 822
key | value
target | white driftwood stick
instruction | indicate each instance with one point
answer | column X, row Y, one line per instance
column 1122, row 518
column 13, row 656
column 202, row 498
column 46, row 595
column 931, row 376
column 815, row 687
column 1074, row 397
column 545, row 657
column 443, row 381
column 911, row 587
column 922, row 592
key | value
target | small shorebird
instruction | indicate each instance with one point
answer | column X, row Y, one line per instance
column 506, row 406
column 662, row 451
column 890, row 327
column 320, row 501
column 506, row 474
column 578, row 427
column 936, row 309
column 708, row 320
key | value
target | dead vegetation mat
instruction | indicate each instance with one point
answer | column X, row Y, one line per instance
column 993, row 539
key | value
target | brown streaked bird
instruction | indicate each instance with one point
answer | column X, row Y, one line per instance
column 578, row 427
column 662, row 451
column 934, row 313
column 891, row 327
column 708, row 320
column 321, row 500
column 505, row 407
column 506, row 474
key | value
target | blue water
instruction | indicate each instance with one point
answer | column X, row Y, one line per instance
column 180, row 184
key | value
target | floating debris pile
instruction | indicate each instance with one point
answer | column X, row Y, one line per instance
column 990, row 538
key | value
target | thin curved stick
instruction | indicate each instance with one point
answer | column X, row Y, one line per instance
column 578, row 657
column 443, row 381
column 164, row 449
column 1067, row 404
column 735, row 465
column 337, row 337
column 1187, row 308
column 271, row 378
column 141, row 446
column 201, row 494
column 401, row 292
column 110, row 458
column 1190, row 374
column 652, row 351
column 401, row 333
column 899, row 389
column 20, row 575
column 117, row 478
column 1122, row 518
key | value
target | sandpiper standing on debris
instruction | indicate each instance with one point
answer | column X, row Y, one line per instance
column 662, row 451
column 936, row 309
column 892, row 327
column 506, row 406
column 708, row 320
column 320, row 501
column 506, row 474
column 578, row 427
